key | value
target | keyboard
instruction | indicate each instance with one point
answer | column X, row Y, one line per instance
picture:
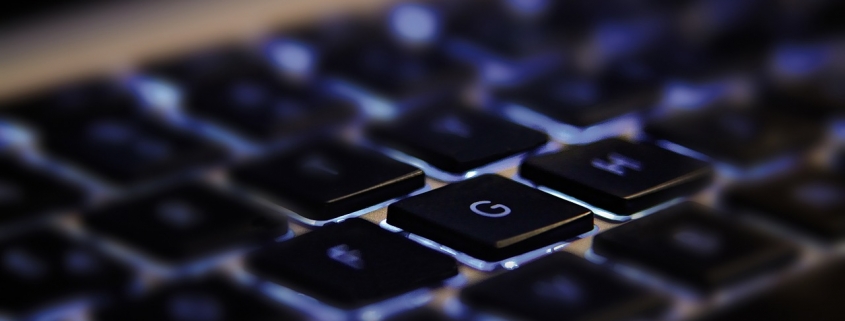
column 460, row 160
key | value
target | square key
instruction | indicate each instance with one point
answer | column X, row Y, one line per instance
column 351, row 264
column 42, row 268
column 387, row 69
column 210, row 298
column 581, row 101
column 811, row 200
column 186, row 222
column 690, row 244
column 739, row 137
column 27, row 193
column 100, row 128
column 563, row 284
column 617, row 175
column 130, row 151
column 490, row 217
column 456, row 139
column 324, row 180
column 235, row 88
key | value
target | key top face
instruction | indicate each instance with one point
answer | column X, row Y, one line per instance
column 325, row 180
column 72, row 103
column 209, row 65
column 395, row 72
column 694, row 246
column 508, row 31
column 456, row 140
column 816, row 295
column 490, row 217
column 740, row 137
column 127, row 151
column 185, row 222
column 811, row 200
column 26, row 192
column 238, row 89
column 209, row 298
column 264, row 109
column 617, row 175
column 351, row 264
column 579, row 100
column 42, row 268
column 562, row 284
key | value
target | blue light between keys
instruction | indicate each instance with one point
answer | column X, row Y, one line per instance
column 415, row 23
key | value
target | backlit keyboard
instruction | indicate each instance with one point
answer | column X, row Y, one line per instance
column 444, row 160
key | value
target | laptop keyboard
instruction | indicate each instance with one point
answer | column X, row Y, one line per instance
column 444, row 160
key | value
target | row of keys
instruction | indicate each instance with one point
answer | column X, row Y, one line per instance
column 125, row 147
column 326, row 180
column 683, row 230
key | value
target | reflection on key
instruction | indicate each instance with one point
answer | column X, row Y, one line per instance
column 351, row 264
column 620, row 177
column 453, row 142
column 325, row 180
column 490, row 218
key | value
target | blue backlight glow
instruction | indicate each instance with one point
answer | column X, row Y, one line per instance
column 415, row 23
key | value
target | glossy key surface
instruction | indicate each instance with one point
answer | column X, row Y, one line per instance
column 325, row 180
column 351, row 264
column 580, row 100
column 456, row 139
column 617, row 175
column 490, row 217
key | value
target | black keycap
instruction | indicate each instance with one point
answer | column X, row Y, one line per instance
column 208, row 298
column 815, row 295
column 185, row 222
column 28, row 193
column 616, row 175
column 238, row 89
column 740, row 137
column 192, row 71
column 509, row 30
column 392, row 71
column 811, row 200
column 490, row 217
column 325, row 180
column 72, row 103
column 693, row 246
column 264, row 109
column 351, row 264
column 563, row 284
column 99, row 127
column 456, row 140
column 581, row 101
column 128, row 151
column 41, row 268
